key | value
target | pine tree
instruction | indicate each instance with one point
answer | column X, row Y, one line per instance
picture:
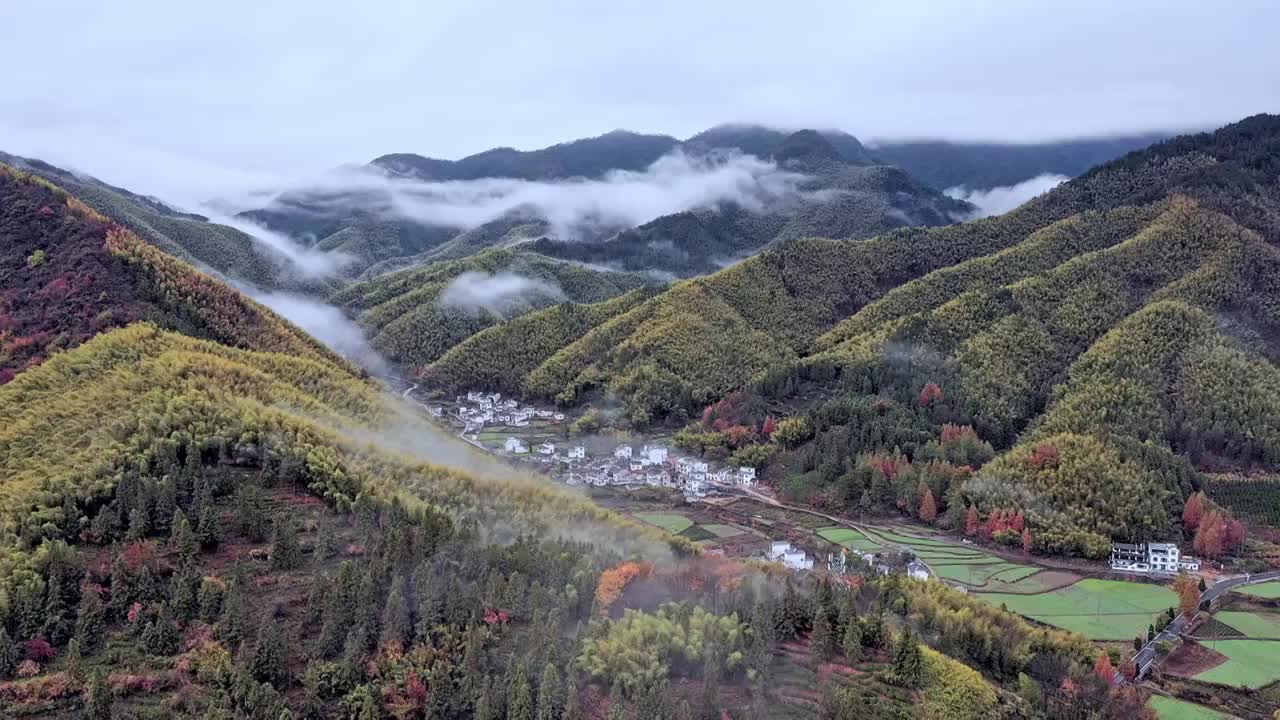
column 286, row 554
column 520, row 700
column 822, row 640
column 182, row 539
column 710, row 705
column 928, row 506
column 9, row 654
column 98, row 701
column 572, row 705
column 57, row 626
column 210, row 601
column 139, row 525
column 763, row 638
column 161, row 636
column 89, row 621
column 270, row 656
column 121, row 590
column 397, row 624
column 231, row 626
column 617, row 708
column 549, row 694
column 908, row 661
column 209, row 527
column 852, row 641
column 75, row 667
column 184, row 593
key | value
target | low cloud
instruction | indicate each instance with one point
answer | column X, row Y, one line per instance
column 1000, row 200
column 573, row 208
column 328, row 325
column 504, row 294
column 306, row 262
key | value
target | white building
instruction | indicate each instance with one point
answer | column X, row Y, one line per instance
column 437, row 411
column 1150, row 557
column 577, row 452
column 916, row 570
column 746, row 476
column 513, row 445
column 781, row 551
column 547, row 448
column 655, row 454
column 558, row 417
column 622, row 452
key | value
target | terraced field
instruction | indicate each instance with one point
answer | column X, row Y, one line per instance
column 1252, row 663
column 671, row 522
column 1252, row 625
column 1097, row 609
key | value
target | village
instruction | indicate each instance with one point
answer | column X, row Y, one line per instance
column 538, row 436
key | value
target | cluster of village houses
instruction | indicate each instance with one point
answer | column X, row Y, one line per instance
column 625, row 465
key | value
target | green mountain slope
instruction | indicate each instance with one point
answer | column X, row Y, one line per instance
column 410, row 317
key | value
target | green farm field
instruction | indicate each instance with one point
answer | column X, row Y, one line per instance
column 671, row 522
column 1172, row 709
column 1252, row 663
column 1267, row 590
column 1097, row 609
column 1253, row 625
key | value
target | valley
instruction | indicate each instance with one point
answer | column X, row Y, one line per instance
column 820, row 444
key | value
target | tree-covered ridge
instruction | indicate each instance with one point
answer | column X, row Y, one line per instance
column 68, row 272
column 210, row 246
column 414, row 316
column 129, row 399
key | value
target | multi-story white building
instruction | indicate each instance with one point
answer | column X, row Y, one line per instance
column 622, row 452
column 655, row 454
column 747, row 476
column 513, row 445
column 577, row 452
column 1151, row 557
column 547, row 448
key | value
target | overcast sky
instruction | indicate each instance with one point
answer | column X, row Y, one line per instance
column 188, row 98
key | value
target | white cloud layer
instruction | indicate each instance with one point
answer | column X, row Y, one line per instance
column 1000, row 200
column 500, row 293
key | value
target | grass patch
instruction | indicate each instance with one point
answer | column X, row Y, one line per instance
column 1097, row 609
column 849, row 538
column 971, row 574
column 1015, row 574
column 980, row 560
column 1252, row 625
column 671, row 522
column 1269, row 590
column 1252, row 663
column 896, row 539
column 1168, row 708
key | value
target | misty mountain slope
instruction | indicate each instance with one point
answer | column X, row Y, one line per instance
column 69, row 272
column 943, row 165
column 586, row 158
column 218, row 248
column 835, row 200
column 662, row 215
column 785, row 299
column 413, row 316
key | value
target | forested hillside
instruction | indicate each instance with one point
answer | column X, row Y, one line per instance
column 210, row 246
column 1086, row 336
column 413, row 316
column 68, row 273
column 204, row 514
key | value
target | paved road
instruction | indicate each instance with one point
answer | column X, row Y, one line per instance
column 1146, row 657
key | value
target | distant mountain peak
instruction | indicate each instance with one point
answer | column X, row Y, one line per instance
column 806, row 146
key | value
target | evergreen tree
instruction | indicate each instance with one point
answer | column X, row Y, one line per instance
column 166, row 506
column 617, row 708
column 161, row 636
column 908, row 660
column 75, row 667
column 231, row 627
column 711, row 684
column 209, row 526
column 329, row 544
column 57, row 626
column 763, row 638
column 823, row 637
column 182, row 539
column 9, row 655
column 139, row 525
column 286, row 554
column 655, row 701
column 852, row 642
column 549, row 694
column 121, row 590
column 487, row 705
column 98, row 701
column 873, row 632
column 270, row 656
column 520, row 700
column 250, row 518
column 184, row 593
column 89, row 621
column 397, row 624
column 210, row 601
column 572, row 705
